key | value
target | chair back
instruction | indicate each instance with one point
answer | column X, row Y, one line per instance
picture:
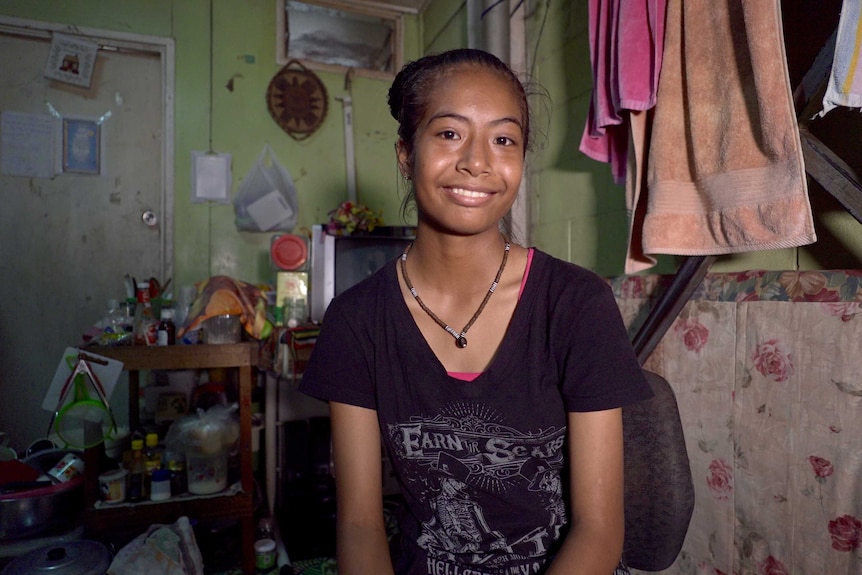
column 659, row 492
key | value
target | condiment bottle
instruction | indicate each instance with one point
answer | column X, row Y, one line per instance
column 137, row 471
column 160, row 486
column 167, row 332
column 177, row 467
column 145, row 321
column 152, row 459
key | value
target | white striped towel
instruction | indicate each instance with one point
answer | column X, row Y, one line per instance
column 845, row 80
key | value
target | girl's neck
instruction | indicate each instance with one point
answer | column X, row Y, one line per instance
column 455, row 260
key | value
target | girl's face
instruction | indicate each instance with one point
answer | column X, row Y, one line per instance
column 468, row 152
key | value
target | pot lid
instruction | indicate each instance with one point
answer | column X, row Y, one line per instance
column 289, row 251
column 68, row 558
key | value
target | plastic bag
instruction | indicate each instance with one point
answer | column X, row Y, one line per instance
column 205, row 432
column 266, row 197
column 168, row 549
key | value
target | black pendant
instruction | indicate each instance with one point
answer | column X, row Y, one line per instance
column 461, row 341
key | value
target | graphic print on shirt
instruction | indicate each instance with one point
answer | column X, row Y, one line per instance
column 466, row 463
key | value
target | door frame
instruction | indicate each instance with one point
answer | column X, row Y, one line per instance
column 113, row 41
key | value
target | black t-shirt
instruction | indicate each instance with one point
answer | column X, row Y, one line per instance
column 480, row 463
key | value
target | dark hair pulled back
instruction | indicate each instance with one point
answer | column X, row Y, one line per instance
column 412, row 88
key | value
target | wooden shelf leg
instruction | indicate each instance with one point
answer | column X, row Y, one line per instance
column 247, row 525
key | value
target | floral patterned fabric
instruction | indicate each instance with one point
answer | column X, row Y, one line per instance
column 767, row 368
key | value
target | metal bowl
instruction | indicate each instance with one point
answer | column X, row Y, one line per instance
column 42, row 510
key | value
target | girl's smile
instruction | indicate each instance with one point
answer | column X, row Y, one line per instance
column 469, row 197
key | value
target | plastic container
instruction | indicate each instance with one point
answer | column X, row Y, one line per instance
column 264, row 556
column 206, row 473
column 288, row 252
column 68, row 468
column 225, row 328
column 117, row 443
column 112, row 485
column 160, row 486
column 114, row 325
column 295, row 311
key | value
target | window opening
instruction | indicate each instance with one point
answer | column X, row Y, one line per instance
column 335, row 35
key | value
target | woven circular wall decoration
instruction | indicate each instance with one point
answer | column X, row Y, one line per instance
column 297, row 100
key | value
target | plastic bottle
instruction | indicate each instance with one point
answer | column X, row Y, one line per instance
column 113, row 331
column 183, row 304
column 265, row 529
column 152, row 459
column 160, row 487
column 128, row 309
column 137, row 472
column 167, row 332
column 177, row 467
column 145, row 321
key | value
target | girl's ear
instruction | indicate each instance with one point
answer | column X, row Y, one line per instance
column 403, row 159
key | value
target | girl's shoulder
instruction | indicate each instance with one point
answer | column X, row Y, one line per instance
column 365, row 296
column 558, row 273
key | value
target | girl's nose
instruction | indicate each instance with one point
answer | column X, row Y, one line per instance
column 475, row 157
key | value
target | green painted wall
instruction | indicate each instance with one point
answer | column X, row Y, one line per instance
column 577, row 212
column 206, row 241
column 444, row 26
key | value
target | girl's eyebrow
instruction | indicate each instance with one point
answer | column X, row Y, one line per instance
column 462, row 118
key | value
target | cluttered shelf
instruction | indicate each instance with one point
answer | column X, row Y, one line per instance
column 237, row 504
column 183, row 356
column 231, row 505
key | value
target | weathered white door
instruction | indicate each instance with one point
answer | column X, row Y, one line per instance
column 67, row 241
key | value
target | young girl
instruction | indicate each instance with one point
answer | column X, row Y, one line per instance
column 492, row 373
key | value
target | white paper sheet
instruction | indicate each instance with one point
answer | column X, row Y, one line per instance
column 211, row 177
column 27, row 147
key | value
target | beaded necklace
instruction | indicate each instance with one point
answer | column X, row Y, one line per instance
column 460, row 338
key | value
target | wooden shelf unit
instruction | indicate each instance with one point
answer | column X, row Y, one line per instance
column 242, row 356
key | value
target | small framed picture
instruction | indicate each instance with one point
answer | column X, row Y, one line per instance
column 82, row 146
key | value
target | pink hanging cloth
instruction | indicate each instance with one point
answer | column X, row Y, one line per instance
column 626, row 39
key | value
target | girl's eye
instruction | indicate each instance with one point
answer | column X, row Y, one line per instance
column 504, row 141
column 449, row 135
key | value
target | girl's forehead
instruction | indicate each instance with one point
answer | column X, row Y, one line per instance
column 470, row 74
column 466, row 84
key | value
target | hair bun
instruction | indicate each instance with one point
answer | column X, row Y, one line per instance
column 396, row 91
column 394, row 99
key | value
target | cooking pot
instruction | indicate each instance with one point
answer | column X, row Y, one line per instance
column 51, row 508
column 69, row 558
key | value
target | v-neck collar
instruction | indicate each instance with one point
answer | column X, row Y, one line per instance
column 512, row 339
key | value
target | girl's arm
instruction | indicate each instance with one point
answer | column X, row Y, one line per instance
column 594, row 543
column 361, row 544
